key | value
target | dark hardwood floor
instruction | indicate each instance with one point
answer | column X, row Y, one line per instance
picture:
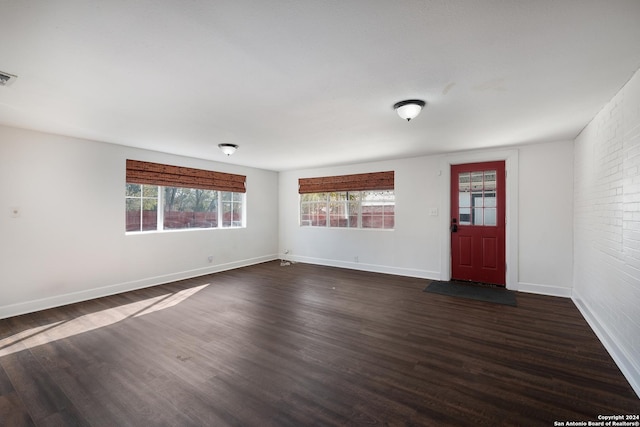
column 305, row 345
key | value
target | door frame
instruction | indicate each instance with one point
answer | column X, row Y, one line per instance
column 510, row 158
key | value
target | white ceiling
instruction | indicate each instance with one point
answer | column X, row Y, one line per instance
column 306, row 83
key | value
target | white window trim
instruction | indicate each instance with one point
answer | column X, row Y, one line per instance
column 160, row 216
column 328, row 215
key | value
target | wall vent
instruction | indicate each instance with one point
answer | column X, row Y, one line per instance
column 6, row 79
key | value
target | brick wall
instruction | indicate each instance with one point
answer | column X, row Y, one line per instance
column 607, row 227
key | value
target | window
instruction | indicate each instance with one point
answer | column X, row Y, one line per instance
column 378, row 209
column 189, row 198
column 313, row 209
column 190, row 208
column 348, row 201
column 182, row 208
column 142, row 207
column 348, row 209
column 344, row 209
column 364, row 200
column 232, row 205
column 477, row 198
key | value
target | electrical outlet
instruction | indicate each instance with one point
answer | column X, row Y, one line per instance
column 210, row 259
column 433, row 212
column 355, row 259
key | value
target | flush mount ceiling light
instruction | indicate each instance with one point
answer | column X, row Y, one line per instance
column 228, row 149
column 409, row 109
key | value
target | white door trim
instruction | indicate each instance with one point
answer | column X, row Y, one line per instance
column 510, row 158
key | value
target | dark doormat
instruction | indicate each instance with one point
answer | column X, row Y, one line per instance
column 477, row 292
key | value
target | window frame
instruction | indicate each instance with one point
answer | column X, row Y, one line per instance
column 160, row 211
column 360, row 200
column 354, row 183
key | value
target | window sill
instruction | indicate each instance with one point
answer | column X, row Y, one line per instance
column 179, row 230
column 321, row 227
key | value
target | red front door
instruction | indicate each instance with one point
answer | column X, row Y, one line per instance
column 478, row 222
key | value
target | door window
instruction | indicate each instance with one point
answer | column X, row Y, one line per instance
column 477, row 198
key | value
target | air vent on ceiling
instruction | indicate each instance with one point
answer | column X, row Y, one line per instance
column 6, row 79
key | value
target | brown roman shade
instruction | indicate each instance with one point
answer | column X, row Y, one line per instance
column 361, row 181
column 176, row 176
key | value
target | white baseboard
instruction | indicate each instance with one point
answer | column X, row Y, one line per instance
column 549, row 290
column 374, row 268
column 85, row 295
column 628, row 365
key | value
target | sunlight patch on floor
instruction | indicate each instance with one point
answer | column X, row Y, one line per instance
column 66, row 328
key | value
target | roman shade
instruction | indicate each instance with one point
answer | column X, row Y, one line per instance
column 356, row 182
column 139, row 172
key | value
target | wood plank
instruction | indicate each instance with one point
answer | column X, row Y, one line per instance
column 12, row 410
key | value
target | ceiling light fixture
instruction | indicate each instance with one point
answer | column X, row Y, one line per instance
column 409, row 109
column 228, row 149
column 6, row 79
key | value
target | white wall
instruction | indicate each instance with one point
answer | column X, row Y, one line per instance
column 417, row 247
column 546, row 219
column 411, row 249
column 69, row 243
column 607, row 227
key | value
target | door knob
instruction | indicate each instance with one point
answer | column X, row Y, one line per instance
column 454, row 225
